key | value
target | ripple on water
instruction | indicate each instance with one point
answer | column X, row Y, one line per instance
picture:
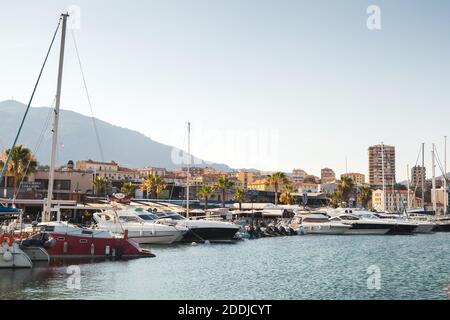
column 304, row 267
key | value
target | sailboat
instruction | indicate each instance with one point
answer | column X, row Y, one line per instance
column 199, row 230
column 73, row 241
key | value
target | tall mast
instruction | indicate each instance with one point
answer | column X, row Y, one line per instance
column 433, row 181
column 382, row 175
column 408, row 206
column 188, row 170
column 423, row 175
column 445, row 175
column 48, row 207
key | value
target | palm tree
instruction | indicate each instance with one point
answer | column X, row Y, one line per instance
column 364, row 195
column 224, row 184
column 275, row 180
column 239, row 196
column 100, row 184
column 345, row 187
column 286, row 196
column 206, row 193
column 21, row 164
column 128, row 188
column 154, row 185
column 335, row 199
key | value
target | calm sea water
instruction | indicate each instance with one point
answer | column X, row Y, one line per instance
column 298, row 267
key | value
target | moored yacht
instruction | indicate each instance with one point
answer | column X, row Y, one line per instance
column 399, row 225
column 76, row 242
column 361, row 225
column 199, row 230
column 318, row 223
column 143, row 231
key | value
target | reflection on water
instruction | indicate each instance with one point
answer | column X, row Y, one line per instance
column 303, row 267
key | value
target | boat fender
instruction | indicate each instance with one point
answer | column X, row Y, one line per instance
column 7, row 236
column 107, row 250
column 114, row 252
column 65, row 247
column 207, row 242
column 7, row 256
column 125, row 234
column 193, row 243
column 92, row 249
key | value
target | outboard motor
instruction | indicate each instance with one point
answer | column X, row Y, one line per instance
column 39, row 240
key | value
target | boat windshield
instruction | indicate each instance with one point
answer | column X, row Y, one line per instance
column 128, row 219
column 175, row 216
column 148, row 216
column 367, row 215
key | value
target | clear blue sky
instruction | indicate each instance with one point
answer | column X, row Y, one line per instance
column 309, row 70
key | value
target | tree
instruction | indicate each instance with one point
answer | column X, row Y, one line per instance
column 100, row 185
column 154, row 185
column 21, row 164
column 345, row 186
column 286, row 196
column 239, row 196
column 335, row 199
column 364, row 195
column 275, row 180
column 206, row 193
column 224, row 184
column 128, row 188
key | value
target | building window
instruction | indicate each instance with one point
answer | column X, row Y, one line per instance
column 62, row 185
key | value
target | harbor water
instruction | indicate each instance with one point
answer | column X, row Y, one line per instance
column 296, row 267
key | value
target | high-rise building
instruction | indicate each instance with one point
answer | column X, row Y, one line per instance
column 327, row 175
column 417, row 174
column 376, row 160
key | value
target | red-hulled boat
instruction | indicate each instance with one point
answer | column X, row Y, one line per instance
column 72, row 241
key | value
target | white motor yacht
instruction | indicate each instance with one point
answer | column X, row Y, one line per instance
column 199, row 230
column 361, row 225
column 319, row 223
column 399, row 225
column 141, row 230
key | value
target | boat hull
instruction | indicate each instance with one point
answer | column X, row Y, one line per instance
column 210, row 234
column 323, row 228
column 36, row 253
column 425, row 228
column 442, row 227
column 17, row 257
column 399, row 229
column 157, row 237
column 352, row 231
column 74, row 246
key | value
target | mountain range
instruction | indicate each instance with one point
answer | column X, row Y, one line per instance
column 77, row 139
